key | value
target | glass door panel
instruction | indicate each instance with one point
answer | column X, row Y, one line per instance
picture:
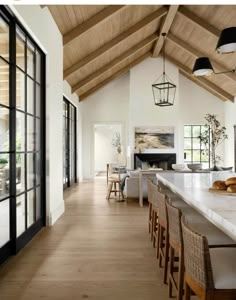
column 22, row 178
column 69, row 146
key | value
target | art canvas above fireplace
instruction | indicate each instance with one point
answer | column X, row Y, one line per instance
column 159, row 137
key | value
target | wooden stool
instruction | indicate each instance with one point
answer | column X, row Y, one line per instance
column 114, row 186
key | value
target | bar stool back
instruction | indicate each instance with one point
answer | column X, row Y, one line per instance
column 209, row 272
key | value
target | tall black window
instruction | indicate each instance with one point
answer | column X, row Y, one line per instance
column 22, row 143
column 194, row 151
column 69, row 144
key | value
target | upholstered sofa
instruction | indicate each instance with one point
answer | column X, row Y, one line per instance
column 131, row 188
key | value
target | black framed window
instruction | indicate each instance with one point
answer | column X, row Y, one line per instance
column 69, row 144
column 22, row 135
column 194, row 151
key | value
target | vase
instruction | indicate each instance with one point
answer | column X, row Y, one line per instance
column 119, row 149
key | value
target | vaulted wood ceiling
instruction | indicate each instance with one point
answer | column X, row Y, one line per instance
column 102, row 42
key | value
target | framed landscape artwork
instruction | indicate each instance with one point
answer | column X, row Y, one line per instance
column 160, row 137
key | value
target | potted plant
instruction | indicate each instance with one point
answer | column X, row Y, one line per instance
column 212, row 137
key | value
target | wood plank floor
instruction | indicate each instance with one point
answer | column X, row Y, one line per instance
column 97, row 250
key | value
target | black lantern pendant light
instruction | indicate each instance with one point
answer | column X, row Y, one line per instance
column 163, row 88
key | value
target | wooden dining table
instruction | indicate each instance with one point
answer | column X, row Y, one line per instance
column 193, row 188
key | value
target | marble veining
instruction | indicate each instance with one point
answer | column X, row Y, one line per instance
column 193, row 188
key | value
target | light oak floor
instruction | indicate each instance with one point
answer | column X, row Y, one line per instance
column 96, row 250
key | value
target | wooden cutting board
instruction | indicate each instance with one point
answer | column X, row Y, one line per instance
column 221, row 192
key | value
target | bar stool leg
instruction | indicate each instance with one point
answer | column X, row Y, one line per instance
column 187, row 291
column 180, row 275
column 110, row 184
column 158, row 240
column 171, row 268
column 166, row 256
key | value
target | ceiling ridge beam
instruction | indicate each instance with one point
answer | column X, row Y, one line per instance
column 114, row 42
column 206, row 84
column 198, row 21
column 99, row 18
column 165, row 27
column 115, row 62
column 115, row 75
column 180, row 43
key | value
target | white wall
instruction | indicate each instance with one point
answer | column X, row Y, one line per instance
column 230, row 122
column 109, row 104
column 130, row 100
column 143, row 111
column 41, row 25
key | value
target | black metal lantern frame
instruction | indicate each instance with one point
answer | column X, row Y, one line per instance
column 163, row 88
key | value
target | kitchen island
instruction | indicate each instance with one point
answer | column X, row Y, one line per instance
column 193, row 189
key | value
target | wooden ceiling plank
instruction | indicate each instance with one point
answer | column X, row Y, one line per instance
column 111, row 44
column 198, row 21
column 165, row 27
column 100, row 17
column 198, row 53
column 209, row 86
column 115, row 75
column 115, row 62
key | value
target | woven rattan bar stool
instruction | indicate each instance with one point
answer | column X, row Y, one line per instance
column 209, row 272
column 163, row 239
column 215, row 236
column 155, row 215
column 176, row 245
column 150, row 200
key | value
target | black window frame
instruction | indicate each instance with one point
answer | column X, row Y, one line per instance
column 201, row 149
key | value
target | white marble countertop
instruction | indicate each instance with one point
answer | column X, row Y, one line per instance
column 193, row 188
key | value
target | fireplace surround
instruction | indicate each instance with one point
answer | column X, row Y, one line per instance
column 154, row 160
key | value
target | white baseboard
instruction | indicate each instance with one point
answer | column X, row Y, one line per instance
column 55, row 215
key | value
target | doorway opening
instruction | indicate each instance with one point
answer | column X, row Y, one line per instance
column 105, row 136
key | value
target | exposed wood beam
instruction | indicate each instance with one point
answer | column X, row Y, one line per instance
column 100, row 17
column 206, row 84
column 198, row 21
column 197, row 53
column 115, row 62
column 165, row 27
column 111, row 44
column 115, row 75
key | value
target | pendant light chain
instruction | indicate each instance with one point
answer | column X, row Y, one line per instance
column 164, row 38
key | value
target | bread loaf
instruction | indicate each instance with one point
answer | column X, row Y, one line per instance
column 219, row 185
column 231, row 180
column 231, row 188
